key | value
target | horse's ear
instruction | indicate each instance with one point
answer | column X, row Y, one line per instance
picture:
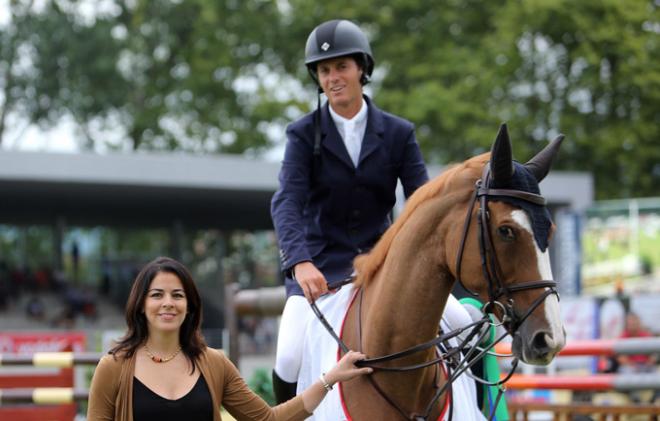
column 501, row 159
column 539, row 166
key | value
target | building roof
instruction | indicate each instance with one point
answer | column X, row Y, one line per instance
column 137, row 189
column 158, row 189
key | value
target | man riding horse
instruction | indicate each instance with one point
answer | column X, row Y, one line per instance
column 337, row 189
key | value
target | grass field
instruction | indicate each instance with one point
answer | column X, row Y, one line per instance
column 615, row 249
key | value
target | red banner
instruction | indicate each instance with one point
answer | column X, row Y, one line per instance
column 50, row 413
column 29, row 343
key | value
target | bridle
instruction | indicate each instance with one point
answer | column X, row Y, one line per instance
column 489, row 262
column 496, row 289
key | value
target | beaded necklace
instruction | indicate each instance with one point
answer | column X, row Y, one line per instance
column 157, row 359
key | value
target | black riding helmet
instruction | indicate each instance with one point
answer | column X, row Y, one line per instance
column 338, row 38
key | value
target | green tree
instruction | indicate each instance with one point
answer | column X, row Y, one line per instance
column 72, row 72
column 182, row 61
column 591, row 69
column 196, row 74
column 160, row 74
column 218, row 76
column 13, row 85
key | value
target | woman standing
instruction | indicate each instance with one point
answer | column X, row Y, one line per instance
column 162, row 369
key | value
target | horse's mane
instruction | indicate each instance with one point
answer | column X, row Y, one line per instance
column 367, row 265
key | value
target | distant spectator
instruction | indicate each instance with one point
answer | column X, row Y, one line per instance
column 59, row 282
column 104, row 285
column 66, row 319
column 75, row 259
column 42, row 278
column 4, row 293
column 5, row 287
column 18, row 279
column 35, row 308
column 89, row 307
column 638, row 363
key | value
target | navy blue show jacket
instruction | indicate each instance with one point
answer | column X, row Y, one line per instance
column 328, row 211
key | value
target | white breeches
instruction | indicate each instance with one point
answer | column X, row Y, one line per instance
column 294, row 318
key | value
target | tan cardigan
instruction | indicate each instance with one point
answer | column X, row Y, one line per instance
column 111, row 392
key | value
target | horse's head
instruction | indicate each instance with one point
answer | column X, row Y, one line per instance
column 502, row 251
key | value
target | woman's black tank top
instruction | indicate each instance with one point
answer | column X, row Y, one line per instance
column 194, row 405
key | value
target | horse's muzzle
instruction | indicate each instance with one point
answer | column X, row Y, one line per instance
column 538, row 348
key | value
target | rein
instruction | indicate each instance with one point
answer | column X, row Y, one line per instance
column 447, row 354
column 370, row 362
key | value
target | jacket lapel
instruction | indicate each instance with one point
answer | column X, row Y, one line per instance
column 331, row 140
column 374, row 133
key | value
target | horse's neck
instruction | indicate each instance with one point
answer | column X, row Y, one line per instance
column 404, row 310
column 405, row 303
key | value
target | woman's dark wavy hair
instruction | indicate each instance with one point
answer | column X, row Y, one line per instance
column 190, row 336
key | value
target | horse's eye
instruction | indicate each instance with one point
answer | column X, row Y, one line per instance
column 506, row 233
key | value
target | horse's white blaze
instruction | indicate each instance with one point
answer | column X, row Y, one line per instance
column 552, row 313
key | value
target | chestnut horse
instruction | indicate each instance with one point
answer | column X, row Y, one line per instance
column 482, row 222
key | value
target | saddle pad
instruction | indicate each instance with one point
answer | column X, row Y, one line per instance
column 320, row 352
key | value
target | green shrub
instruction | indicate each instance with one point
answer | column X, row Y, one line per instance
column 262, row 384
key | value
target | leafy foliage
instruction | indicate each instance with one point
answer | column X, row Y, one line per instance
column 225, row 76
column 262, row 384
column 459, row 67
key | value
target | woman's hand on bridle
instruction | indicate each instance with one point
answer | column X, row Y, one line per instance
column 311, row 280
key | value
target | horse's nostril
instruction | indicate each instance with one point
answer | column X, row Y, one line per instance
column 539, row 342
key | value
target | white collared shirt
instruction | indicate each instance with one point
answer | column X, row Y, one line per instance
column 352, row 131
